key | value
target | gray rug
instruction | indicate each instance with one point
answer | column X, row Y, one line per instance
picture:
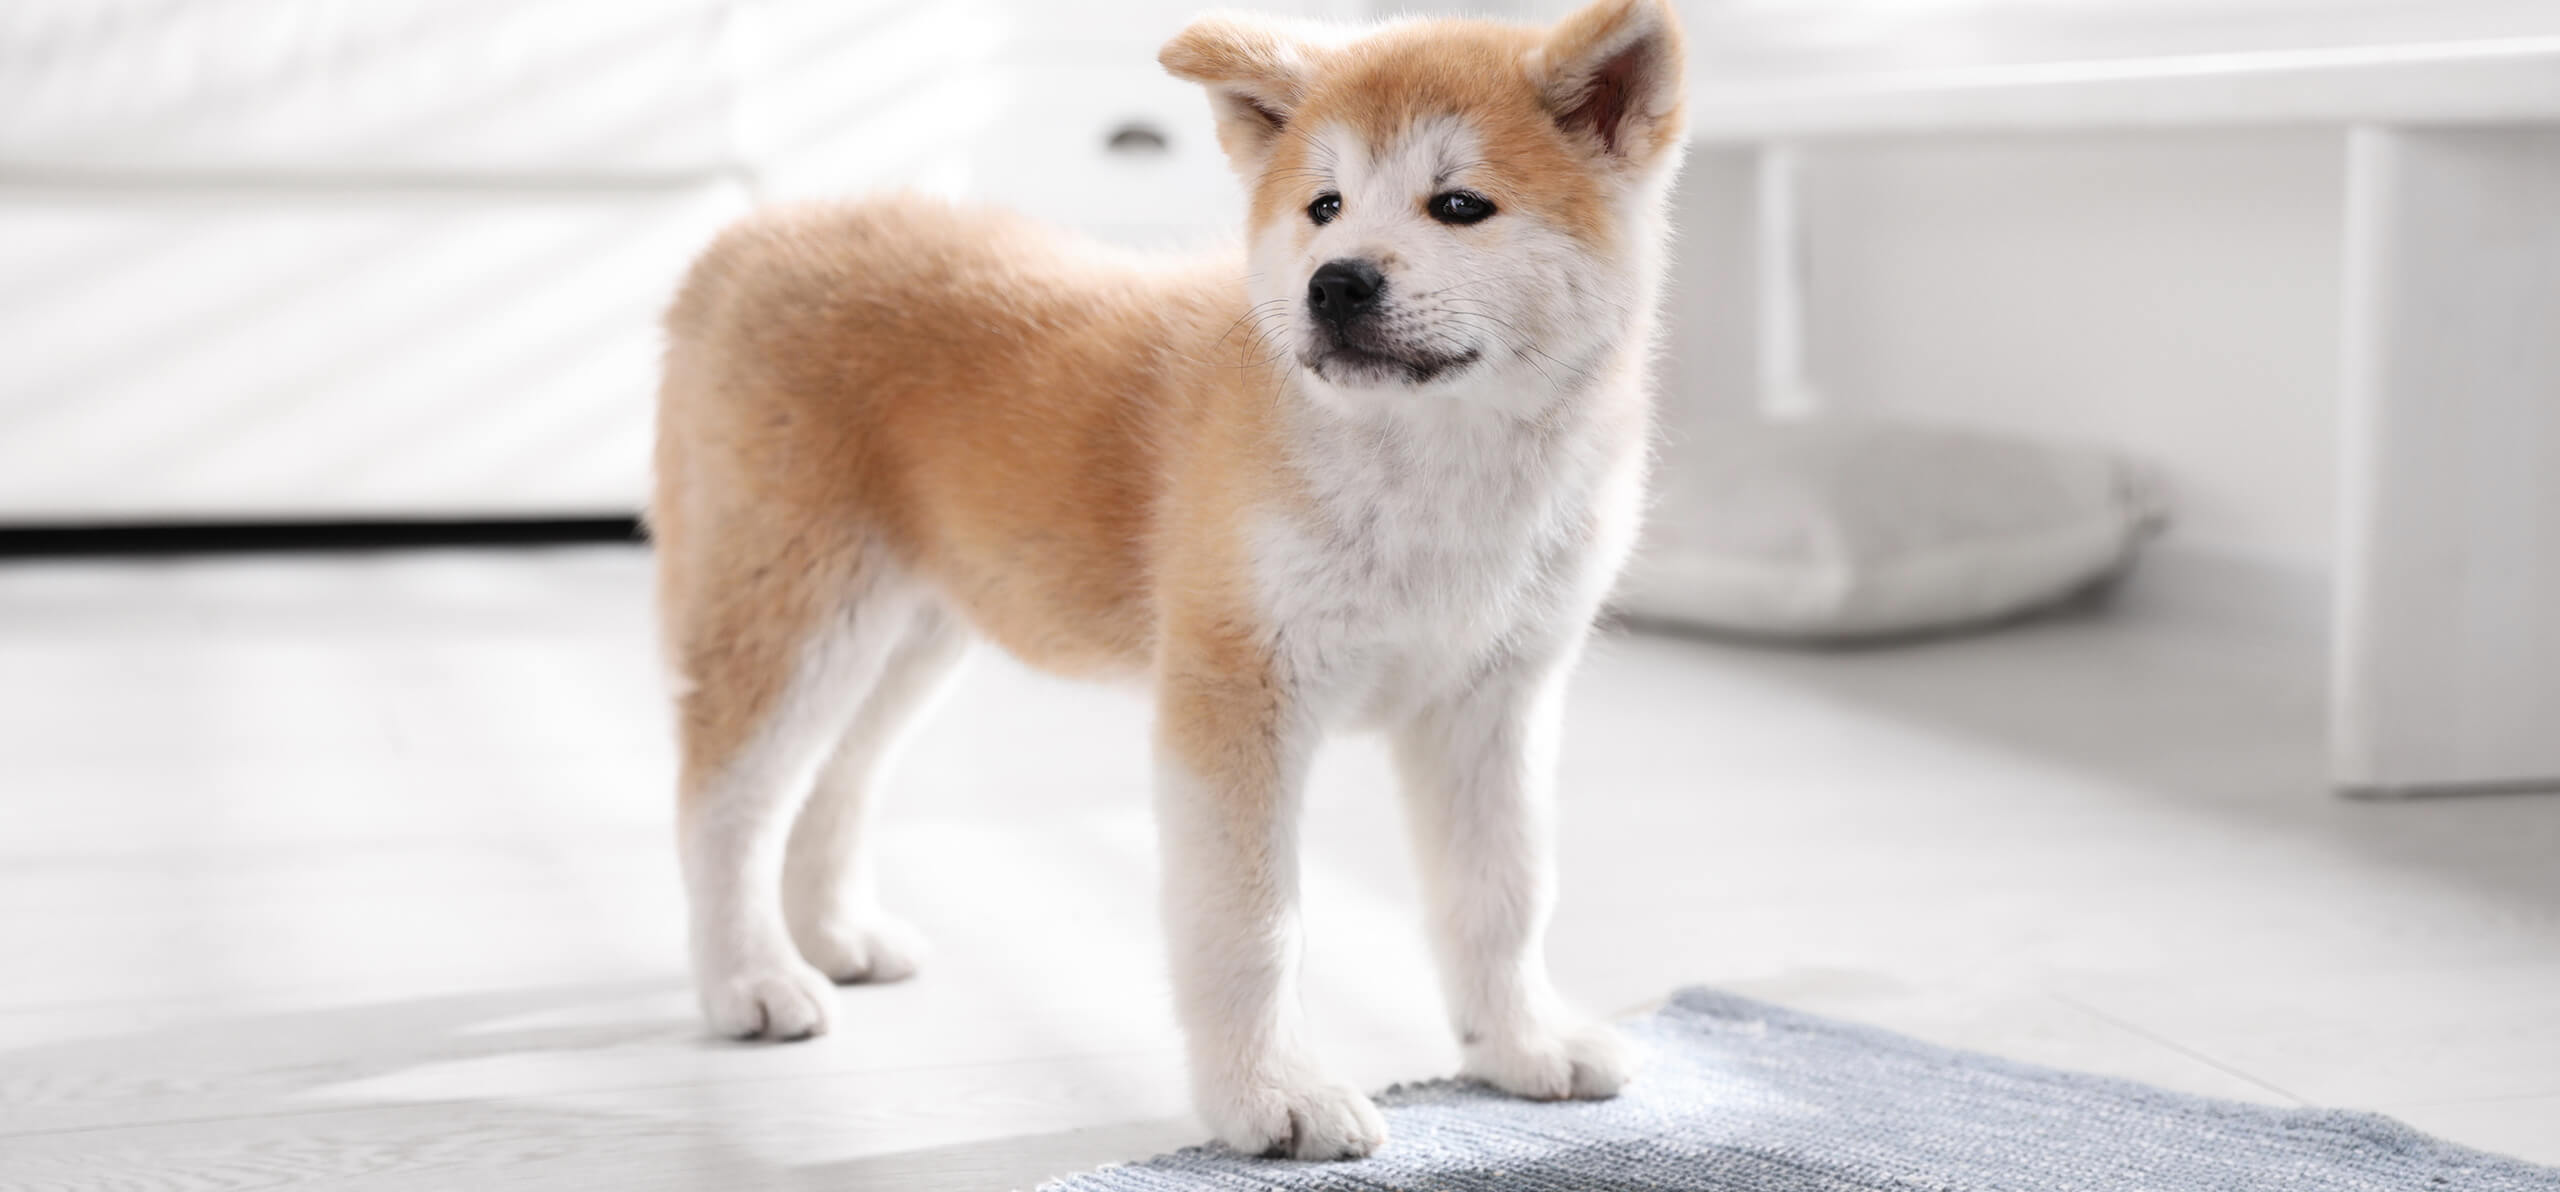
column 1737, row 1096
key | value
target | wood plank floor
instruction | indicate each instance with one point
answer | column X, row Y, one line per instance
column 356, row 873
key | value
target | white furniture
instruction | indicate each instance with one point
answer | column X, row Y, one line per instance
column 325, row 259
column 2448, row 624
column 2447, row 628
column 316, row 259
column 2448, row 589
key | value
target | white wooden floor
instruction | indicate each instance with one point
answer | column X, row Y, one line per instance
column 356, row 873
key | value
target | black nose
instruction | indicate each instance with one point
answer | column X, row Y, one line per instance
column 1342, row 290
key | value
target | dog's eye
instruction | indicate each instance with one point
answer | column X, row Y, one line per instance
column 1460, row 207
column 1325, row 208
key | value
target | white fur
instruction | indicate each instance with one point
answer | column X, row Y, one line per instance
column 830, row 889
column 1463, row 533
column 1231, row 916
column 782, row 904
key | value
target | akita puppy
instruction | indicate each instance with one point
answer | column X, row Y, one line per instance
column 1377, row 471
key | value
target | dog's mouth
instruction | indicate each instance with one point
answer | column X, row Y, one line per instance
column 1344, row 363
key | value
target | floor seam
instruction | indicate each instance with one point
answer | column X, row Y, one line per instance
column 2447, row 1102
column 2173, row 1045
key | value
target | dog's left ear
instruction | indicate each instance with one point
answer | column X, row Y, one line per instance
column 1611, row 75
column 1256, row 71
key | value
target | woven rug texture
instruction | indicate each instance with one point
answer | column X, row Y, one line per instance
column 1737, row 1096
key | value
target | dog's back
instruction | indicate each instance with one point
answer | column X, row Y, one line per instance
column 952, row 391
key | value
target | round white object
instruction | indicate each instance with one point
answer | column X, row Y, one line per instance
column 1843, row 528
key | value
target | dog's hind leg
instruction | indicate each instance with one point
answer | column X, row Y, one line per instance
column 778, row 647
column 830, row 890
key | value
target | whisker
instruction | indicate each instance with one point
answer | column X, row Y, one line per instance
column 1241, row 319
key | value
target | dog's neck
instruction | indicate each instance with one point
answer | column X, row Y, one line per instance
column 1520, row 434
column 1448, row 523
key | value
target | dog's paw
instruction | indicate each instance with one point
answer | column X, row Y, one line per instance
column 1305, row 1119
column 875, row 948
column 1587, row 1061
column 781, row 1001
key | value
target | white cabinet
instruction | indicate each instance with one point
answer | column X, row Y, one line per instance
column 178, row 356
column 1050, row 154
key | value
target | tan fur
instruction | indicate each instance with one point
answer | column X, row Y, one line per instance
column 983, row 408
column 1410, row 72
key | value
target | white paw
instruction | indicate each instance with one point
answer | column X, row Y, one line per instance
column 782, row 1000
column 1306, row 1119
column 1588, row 1061
column 872, row 948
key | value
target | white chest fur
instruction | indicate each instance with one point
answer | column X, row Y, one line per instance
column 1443, row 540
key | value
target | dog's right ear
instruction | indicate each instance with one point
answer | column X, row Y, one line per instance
column 1256, row 71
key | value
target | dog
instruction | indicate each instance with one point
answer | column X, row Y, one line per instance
column 1379, row 472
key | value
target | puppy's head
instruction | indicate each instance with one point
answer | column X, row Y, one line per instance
column 1443, row 200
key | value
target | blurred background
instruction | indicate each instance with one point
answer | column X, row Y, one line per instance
column 352, row 862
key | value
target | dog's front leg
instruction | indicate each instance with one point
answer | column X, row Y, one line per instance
column 1478, row 772
column 1231, row 758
